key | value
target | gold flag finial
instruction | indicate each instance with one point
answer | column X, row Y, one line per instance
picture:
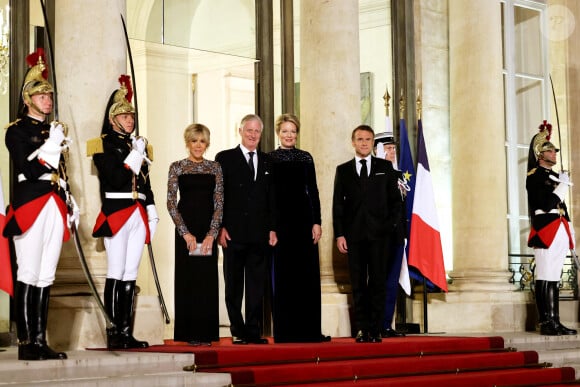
column 387, row 99
column 401, row 106
column 419, row 104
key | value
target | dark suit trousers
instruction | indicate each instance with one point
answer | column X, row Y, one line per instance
column 245, row 263
column 392, row 286
column 367, row 260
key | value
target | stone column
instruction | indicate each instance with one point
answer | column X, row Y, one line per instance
column 481, row 293
column 88, row 64
column 477, row 130
column 329, row 106
column 90, row 55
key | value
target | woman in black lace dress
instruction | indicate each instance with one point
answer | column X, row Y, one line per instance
column 296, row 270
column 197, row 217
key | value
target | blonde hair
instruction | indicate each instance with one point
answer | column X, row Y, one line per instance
column 194, row 131
column 287, row 117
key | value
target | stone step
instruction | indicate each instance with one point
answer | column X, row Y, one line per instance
column 104, row 368
column 560, row 351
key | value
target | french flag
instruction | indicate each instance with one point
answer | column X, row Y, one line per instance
column 5, row 267
column 425, row 249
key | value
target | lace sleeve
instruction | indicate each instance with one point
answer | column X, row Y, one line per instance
column 218, row 201
column 172, row 188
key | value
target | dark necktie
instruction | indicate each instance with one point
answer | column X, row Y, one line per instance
column 251, row 164
column 364, row 174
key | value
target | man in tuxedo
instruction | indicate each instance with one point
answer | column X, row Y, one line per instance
column 366, row 209
column 247, row 230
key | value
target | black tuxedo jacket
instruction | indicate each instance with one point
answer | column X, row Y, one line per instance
column 248, row 205
column 369, row 211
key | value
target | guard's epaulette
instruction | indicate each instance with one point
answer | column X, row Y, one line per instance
column 94, row 145
column 532, row 171
column 12, row 123
column 150, row 151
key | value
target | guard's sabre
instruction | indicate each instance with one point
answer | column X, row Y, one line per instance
column 557, row 121
column 575, row 258
column 149, row 247
column 572, row 251
column 154, row 269
column 77, row 242
column 73, row 226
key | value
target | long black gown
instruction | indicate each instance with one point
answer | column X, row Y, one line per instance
column 296, row 269
column 199, row 212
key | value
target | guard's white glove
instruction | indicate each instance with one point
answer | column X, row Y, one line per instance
column 564, row 178
column 56, row 133
column 153, row 219
column 75, row 212
column 134, row 160
column 139, row 144
column 381, row 151
column 50, row 151
column 561, row 190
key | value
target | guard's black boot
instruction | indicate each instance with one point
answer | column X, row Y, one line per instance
column 111, row 296
column 41, row 297
column 27, row 350
column 554, row 294
column 127, row 314
column 550, row 326
column 540, row 302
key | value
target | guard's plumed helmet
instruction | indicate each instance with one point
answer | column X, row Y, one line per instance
column 540, row 143
column 122, row 98
column 35, row 81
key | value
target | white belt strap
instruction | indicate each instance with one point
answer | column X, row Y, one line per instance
column 542, row 212
column 124, row 195
column 47, row 177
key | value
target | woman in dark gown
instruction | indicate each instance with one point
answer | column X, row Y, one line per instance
column 197, row 217
column 296, row 270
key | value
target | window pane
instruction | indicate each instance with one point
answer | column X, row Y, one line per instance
column 529, row 104
column 527, row 41
column 194, row 24
column 521, row 183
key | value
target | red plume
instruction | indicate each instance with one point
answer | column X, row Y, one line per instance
column 32, row 60
column 545, row 125
column 126, row 80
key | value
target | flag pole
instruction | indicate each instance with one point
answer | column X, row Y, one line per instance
column 425, row 309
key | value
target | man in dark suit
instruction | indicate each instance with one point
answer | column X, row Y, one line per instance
column 366, row 209
column 247, row 230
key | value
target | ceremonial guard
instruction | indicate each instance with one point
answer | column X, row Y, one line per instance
column 38, row 212
column 551, row 234
column 128, row 217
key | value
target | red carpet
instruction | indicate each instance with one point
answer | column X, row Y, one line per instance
column 410, row 361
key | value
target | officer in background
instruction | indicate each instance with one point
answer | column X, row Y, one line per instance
column 128, row 217
column 386, row 148
column 551, row 233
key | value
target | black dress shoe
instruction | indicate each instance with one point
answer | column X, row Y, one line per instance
column 361, row 337
column 375, row 339
column 566, row 331
column 258, row 340
column 325, row 339
column 197, row 343
column 238, row 340
column 390, row 332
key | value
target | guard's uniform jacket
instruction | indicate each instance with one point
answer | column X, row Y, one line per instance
column 121, row 190
column 35, row 183
column 547, row 211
